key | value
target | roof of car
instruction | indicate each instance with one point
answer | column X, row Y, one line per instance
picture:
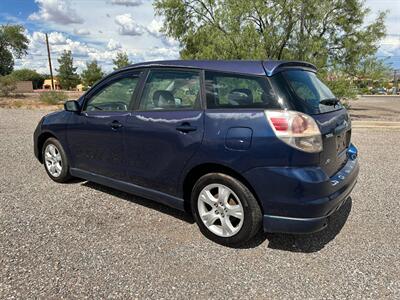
column 253, row 67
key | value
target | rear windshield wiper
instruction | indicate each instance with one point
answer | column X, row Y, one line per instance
column 330, row 101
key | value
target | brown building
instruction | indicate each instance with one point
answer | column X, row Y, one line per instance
column 24, row 87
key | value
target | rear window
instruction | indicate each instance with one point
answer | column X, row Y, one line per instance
column 238, row 91
column 314, row 94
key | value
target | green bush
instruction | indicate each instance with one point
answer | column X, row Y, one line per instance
column 7, row 85
column 343, row 88
column 53, row 97
column 29, row 75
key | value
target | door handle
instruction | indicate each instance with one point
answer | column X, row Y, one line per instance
column 115, row 124
column 186, row 127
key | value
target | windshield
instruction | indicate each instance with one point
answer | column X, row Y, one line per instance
column 313, row 92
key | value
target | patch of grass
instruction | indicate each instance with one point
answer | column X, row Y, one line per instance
column 17, row 104
column 346, row 104
column 53, row 97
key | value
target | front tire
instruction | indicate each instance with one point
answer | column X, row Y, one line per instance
column 225, row 210
column 55, row 161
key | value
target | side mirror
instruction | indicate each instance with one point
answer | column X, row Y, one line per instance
column 72, row 105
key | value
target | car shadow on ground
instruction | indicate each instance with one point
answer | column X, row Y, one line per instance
column 306, row 243
column 141, row 201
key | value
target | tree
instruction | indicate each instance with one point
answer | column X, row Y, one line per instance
column 6, row 62
column 328, row 33
column 371, row 68
column 28, row 74
column 7, row 85
column 12, row 42
column 122, row 60
column 92, row 73
column 66, row 71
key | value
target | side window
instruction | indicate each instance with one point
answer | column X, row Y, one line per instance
column 166, row 89
column 114, row 97
column 236, row 91
column 303, row 90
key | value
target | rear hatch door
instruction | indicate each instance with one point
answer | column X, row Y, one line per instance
column 335, row 129
column 305, row 92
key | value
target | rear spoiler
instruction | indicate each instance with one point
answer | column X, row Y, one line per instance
column 273, row 67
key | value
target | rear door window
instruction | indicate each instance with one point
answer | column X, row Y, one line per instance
column 226, row 90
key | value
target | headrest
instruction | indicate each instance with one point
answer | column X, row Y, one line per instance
column 240, row 97
column 163, row 98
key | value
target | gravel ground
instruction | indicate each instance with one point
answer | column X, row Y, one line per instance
column 82, row 240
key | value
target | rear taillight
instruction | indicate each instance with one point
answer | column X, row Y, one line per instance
column 296, row 129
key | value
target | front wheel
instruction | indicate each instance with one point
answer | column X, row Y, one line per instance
column 55, row 161
column 225, row 209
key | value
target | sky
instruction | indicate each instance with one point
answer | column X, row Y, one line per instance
column 99, row 29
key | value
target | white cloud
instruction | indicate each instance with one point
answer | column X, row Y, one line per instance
column 390, row 46
column 83, row 52
column 113, row 45
column 57, row 11
column 154, row 29
column 390, row 49
column 127, row 2
column 57, row 38
column 81, row 31
column 127, row 25
column 391, row 40
column 101, row 37
column 161, row 53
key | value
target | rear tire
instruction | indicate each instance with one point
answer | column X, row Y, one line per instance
column 225, row 210
column 55, row 161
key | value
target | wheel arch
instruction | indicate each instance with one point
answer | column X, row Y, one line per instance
column 198, row 171
column 40, row 142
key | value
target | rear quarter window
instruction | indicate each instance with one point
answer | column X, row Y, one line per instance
column 313, row 94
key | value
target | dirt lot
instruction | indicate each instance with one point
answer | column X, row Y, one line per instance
column 32, row 101
column 84, row 240
column 376, row 108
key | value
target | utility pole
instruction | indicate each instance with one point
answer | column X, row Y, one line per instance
column 51, row 69
column 395, row 82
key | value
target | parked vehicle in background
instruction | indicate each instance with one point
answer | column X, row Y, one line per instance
column 242, row 145
column 379, row 91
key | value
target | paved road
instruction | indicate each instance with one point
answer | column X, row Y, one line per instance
column 83, row 240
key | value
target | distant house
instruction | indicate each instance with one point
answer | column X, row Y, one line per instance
column 79, row 87
column 47, row 84
column 25, row 86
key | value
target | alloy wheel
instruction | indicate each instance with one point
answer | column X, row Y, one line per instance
column 53, row 160
column 220, row 210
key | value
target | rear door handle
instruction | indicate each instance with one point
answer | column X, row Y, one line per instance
column 115, row 124
column 186, row 127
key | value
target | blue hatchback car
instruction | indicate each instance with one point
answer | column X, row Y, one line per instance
column 242, row 145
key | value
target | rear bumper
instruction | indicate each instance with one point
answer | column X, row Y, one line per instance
column 303, row 225
column 300, row 200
